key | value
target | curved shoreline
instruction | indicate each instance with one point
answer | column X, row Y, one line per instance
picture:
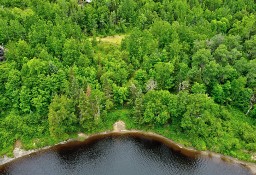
column 188, row 151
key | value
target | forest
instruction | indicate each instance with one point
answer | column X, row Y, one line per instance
column 185, row 69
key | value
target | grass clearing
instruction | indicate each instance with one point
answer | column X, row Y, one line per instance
column 115, row 39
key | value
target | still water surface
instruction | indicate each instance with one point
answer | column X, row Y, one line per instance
column 118, row 155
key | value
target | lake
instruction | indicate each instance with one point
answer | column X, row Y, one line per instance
column 116, row 155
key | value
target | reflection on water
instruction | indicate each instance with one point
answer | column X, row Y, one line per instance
column 115, row 155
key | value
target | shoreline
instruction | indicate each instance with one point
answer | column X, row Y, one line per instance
column 188, row 151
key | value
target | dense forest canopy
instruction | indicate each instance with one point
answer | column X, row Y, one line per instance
column 185, row 68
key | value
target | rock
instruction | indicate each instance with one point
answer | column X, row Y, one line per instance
column 119, row 126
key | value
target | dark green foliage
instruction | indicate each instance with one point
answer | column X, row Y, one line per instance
column 184, row 68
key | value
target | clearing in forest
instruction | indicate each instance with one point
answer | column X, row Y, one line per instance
column 115, row 39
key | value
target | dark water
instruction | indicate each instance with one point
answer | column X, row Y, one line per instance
column 118, row 155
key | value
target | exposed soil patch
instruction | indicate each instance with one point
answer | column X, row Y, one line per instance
column 81, row 136
column 18, row 144
column 119, row 126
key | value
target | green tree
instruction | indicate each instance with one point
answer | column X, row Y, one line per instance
column 91, row 107
column 161, row 30
column 71, row 52
column 61, row 117
column 25, row 98
column 16, row 31
column 3, row 31
column 39, row 32
column 250, row 47
column 200, row 117
column 240, row 95
column 13, row 86
column 218, row 94
column 139, row 44
column 127, row 11
column 198, row 88
column 221, row 55
column 159, row 107
column 120, row 94
column 164, row 75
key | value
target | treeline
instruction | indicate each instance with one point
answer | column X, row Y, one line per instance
column 186, row 66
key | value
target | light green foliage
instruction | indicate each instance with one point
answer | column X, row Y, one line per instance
column 240, row 95
column 3, row 31
column 161, row 30
column 12, row 87
column 200, row 115
column 218, row 93
column 39, row 32
column 221, row 55
column 198, row 88
column 127, row 11
column 139, row 44
column 61, row 117
column 164, row 75
column 201, row 58
column 71, row 52
column 91, row 107
column 159, row 107
column 20, row 52
column 25, row 97
column 120, row 94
